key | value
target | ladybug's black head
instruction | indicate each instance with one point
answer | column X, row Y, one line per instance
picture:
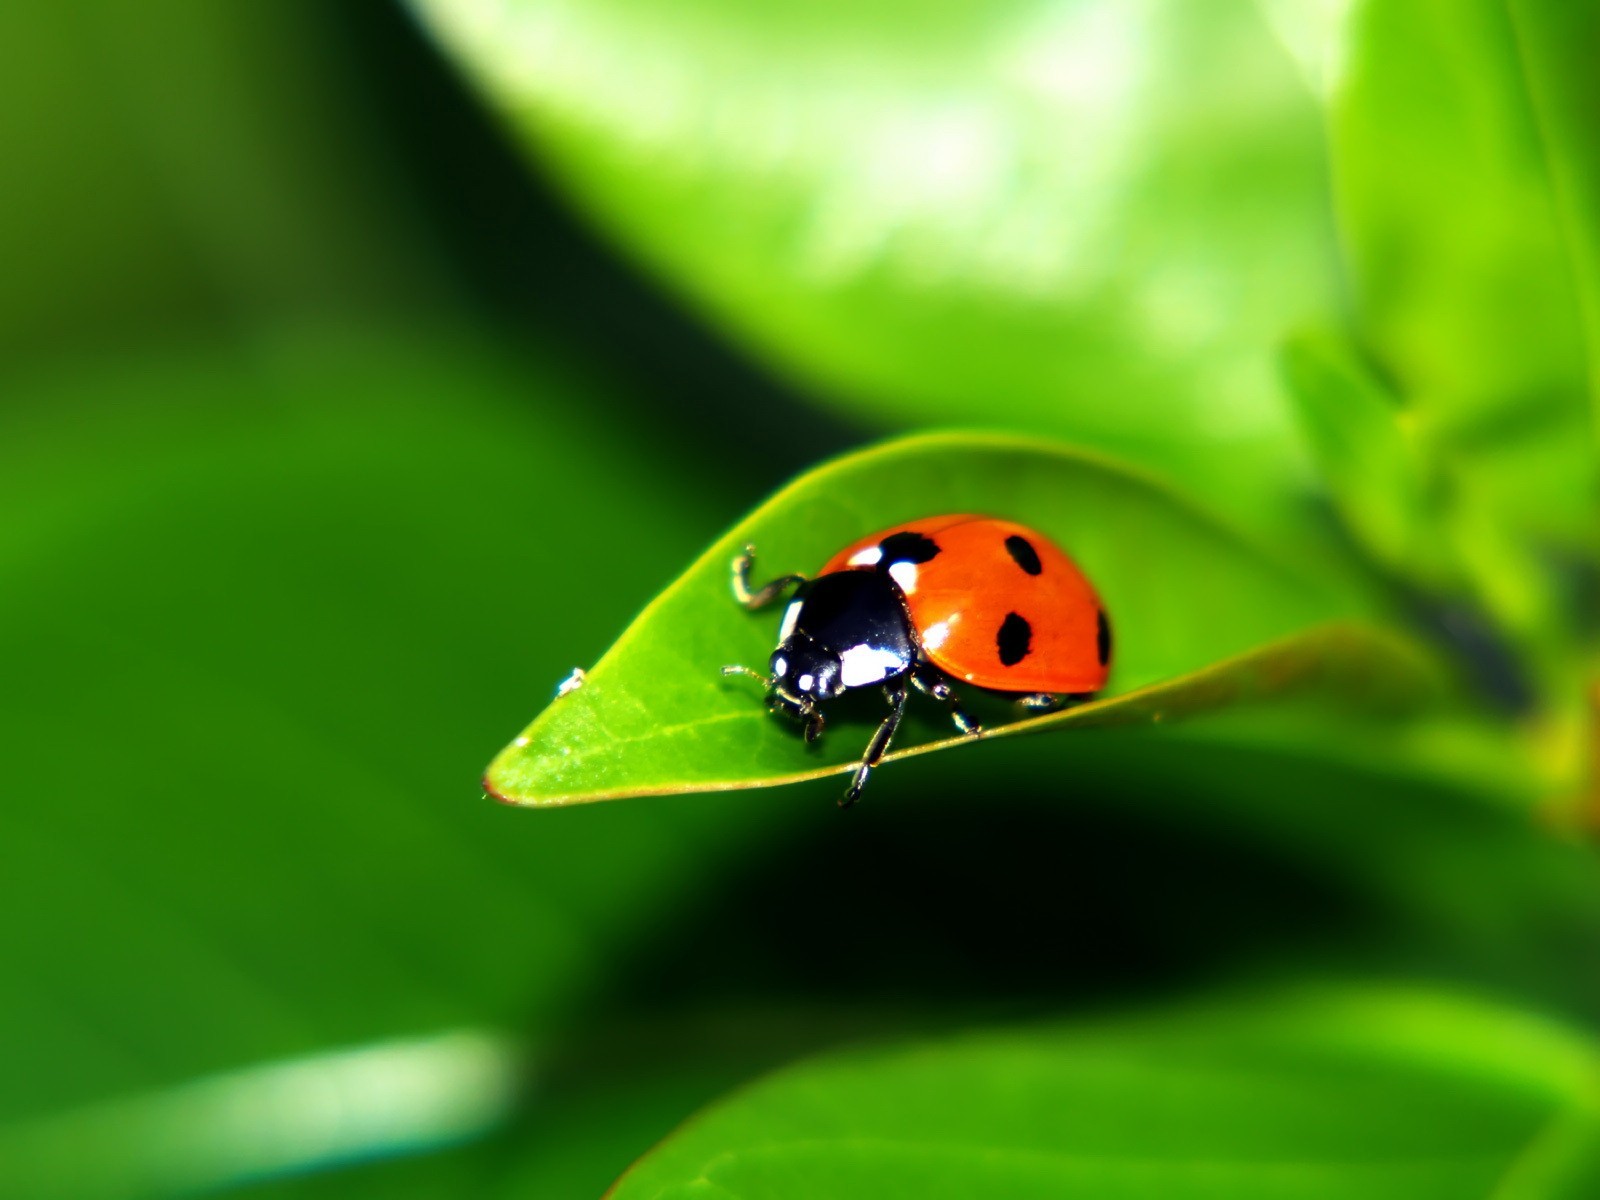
column 847, row 629
column 804, row 673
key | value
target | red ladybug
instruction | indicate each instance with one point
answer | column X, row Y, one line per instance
column 961, row 597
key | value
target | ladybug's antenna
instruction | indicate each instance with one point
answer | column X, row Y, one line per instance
column 766, row 681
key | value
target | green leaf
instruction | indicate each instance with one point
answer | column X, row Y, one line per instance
column 1553, row 46
column 1466, row 170
column 1381, row 481
column 1201, row 618
column 1303, row 1095
column 1409, row 505
column 248, row 167
column 253, row 653
column 1092, row 219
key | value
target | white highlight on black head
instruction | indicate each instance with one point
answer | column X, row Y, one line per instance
column 863, row 665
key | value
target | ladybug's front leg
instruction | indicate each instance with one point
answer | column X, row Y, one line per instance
column 765, row 594
column 930, row 682
column 879, row 745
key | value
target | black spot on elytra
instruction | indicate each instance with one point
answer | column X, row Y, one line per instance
column 1022, row 551
column 907, row 547
column 1103, row 639
column 1013, row 638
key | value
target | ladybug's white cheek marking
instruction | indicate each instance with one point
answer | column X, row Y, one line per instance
column 905, row 574
column 791, row 618
column 870, row 557
column 863, row 665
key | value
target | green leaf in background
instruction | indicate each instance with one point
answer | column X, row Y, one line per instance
column 1090, row 218
column 1553, row 44
column 1378, row 478
column 1465, row 169
column 1401, row 501
column 268, row 199
column 1183, row 592
column 1308, row 1095
column 261, row 612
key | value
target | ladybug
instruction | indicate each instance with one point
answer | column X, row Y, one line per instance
column 958, row 598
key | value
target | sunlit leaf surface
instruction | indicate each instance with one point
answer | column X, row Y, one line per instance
column 1090, row 218
column 1466, row 171
column 1184, row 594
column 1377, row 1095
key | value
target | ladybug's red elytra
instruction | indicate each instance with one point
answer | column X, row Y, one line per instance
column 958, row 598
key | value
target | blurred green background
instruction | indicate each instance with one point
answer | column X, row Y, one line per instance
column 336, row 428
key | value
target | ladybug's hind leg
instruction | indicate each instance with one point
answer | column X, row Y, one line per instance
column 930, row 682
column 764, row 595
column 879, row 745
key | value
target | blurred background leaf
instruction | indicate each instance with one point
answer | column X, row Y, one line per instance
column 1383, row 484
column 1090, row 219
column 192, row 166
column 222, row 619
column 242, row 635
column 1455, row 154
column 1288, row 1097
column 1464, row 167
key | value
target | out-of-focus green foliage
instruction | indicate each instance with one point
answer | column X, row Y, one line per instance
column 1384, row 484
column 185, row 165
column 1308, row 1097
column 1091, row 219
column 285, row 554
column 239, row 634
column 1464, row 160
column 1459, row 145
column 655, row 717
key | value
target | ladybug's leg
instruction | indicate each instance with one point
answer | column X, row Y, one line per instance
column 765, row 594
column 804, row 710
column 813, row 722
column 879, row 745
column 813, row 725
column 929, row 682
column 764, row 680
column 1041, row 702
